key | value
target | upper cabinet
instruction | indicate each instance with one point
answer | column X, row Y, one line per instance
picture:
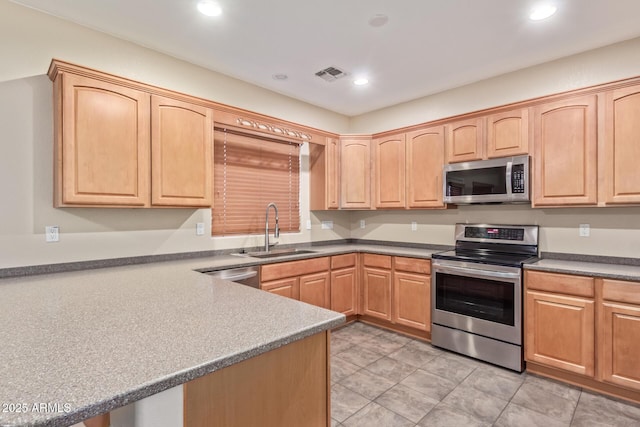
column 465, row 141
column 355, row 172
column 622, row 146
column 565, row 150
column 117, row 145
column 425, row 159
column 508, row 133
column 389, row 161
column 324, row 171
column 102, row 143
column 181, row 152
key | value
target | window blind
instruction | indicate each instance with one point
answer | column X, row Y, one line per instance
column 249, row 173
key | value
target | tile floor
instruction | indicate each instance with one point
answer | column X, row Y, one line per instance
column 383, row 379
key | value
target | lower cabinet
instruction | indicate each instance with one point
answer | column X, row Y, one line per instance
column 584, row 330
column 412, row 293
column 619, row 333
column 344, row 284
column 376, row 286
column 305, row 280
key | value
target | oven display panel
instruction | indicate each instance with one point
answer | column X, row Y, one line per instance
column 499, row 233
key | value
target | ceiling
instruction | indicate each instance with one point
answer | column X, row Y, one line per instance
column 426, row 46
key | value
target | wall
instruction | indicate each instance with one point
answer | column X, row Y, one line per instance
column 607, row 64
column 614, row 231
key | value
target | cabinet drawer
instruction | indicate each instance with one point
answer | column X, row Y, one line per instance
column 343, row 261
column 293, row 268
column 380, row 261
column 621, row 291
column 560, row 283
column 413, row 265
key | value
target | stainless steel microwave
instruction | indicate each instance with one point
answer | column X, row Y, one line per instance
column 503, row 180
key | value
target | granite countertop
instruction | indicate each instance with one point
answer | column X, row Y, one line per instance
column 588, row 268
column 90, row 341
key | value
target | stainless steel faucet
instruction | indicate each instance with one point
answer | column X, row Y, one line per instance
column 276, row 232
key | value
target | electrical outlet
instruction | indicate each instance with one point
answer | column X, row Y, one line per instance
column 200, row 229
column 327, row 225
column 52, row 233
column 362, row 223
column 308, row 224
column 414, row 226
column 584, row 230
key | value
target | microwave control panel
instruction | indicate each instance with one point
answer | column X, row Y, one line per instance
column 517, row 179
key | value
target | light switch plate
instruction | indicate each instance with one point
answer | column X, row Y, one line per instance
column 414, row 226
column 327, row 225
column 308, row 224
column 52, row 233
column 362, row 223
column 200, row 229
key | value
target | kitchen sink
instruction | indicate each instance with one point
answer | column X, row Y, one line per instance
column 278, row 253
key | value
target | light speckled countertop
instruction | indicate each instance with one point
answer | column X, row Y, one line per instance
column 611, row 271
column 94, row 340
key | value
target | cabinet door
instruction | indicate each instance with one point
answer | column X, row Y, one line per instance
column 508, row 133
column 464, row 141
column 425, row 159
column 565, row 153
column 102, row 143
column 343, row 291
column 376, row 288
column 314, row 289
column 182, row 151
column 289, row 288
column 559, row 332
column 620, row 344
column 355, row 173
column 389, row 171
column 622, row 146
column 411, row 300
column 333, row 169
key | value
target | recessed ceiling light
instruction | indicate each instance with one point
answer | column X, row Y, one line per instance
column 280, row 77
column 361, row 81
column 378, row 20
column 542, row 11
column 209, row 8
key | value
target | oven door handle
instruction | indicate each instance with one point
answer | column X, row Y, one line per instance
column 476, row 272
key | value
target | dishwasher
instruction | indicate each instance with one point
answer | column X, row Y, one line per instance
column 245, row 275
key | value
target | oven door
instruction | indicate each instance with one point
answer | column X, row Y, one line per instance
column 478, row 298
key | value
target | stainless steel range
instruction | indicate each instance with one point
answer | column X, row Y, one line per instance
column 477, row 292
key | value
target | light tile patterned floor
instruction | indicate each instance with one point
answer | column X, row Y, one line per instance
column 383, row 379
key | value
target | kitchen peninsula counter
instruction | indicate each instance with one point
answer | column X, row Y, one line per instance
column 79, row 344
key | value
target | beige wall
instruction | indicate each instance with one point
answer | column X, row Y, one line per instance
column 29, row 41
column 614, row 231
column 597, row 66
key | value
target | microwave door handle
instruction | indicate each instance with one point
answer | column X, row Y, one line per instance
column 508, row 178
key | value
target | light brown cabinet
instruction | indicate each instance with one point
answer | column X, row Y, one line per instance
column 508, row 133
column 465, row 140
column 622, row 146
column 344, row 284
column 355, row 173
column 120, row 146
column 559, row 321
column 181, row 153
column 102, row 143
column 412, row 293
column 304, row 280
column 619, row 334
column 376, row 286
column 425, row 159
column 389, row 169
column 565, row 146
column 324, row 171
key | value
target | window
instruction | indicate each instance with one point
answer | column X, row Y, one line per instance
column 249, row 173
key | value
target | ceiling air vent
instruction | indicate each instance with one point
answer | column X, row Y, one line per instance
column 331, row 73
